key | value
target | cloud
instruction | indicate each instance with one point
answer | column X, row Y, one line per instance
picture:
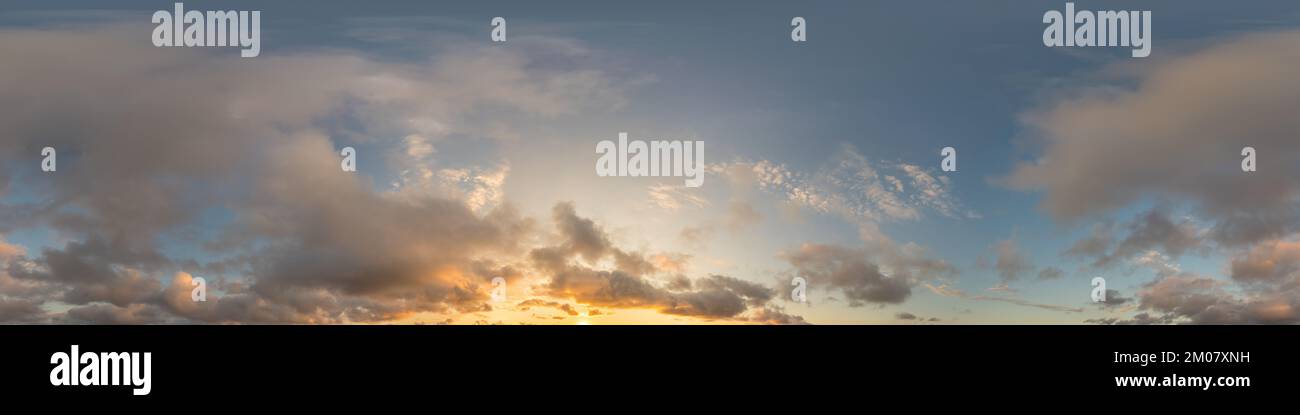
column 1151, row 231
column 675, row 197
column 775, row 315
column 1269, row 261
column 188, row 135
column 1050, row 273
column 1172, row 131
column 947, row 291
column 1154, row 229
column 741, row 215
column 853, row 187
column 1138, row 319
column 19, row 310
column 1009, row 262
column 906, row 260
column 1178, row 132
column 847, row 270
column 96, row 271
column 1096, row 245
column 627, row 285
column 1264, row 289
column 1199, row 299
column 1113, row 298
column 111, row 314
column 1190, row 298
column 932, row 191
column 9, row 251
column 534, row 302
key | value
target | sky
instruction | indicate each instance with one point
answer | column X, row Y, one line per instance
column 476, row 161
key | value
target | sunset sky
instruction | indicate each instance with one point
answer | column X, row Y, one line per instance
column 476, row 161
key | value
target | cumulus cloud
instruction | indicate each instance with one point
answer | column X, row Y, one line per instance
column 848, row 271
column 1269, row 261
column 18, row 310
column 1200, row 299
column 1114, row 298
column 188, row 135
column 1154, row 230
column 775, row 315
column 9, row 251
column 626, row 283
column 1264, row 289
column 96, row 271
column 1187, row 298
column 110, row 314
column 1178, row 132
column 1009, row 262
column 1172, row 131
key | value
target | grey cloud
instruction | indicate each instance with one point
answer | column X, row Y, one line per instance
column 1178, row 133
column 716, row 296
column 1096, row 245
column 20, row 310
column 1152, row 230
column 534, row 302
column 150, row 139
column 1188, row 298
column 1010, row 263
column 1113, row 298
column 111, row 314
column 1050, row 273
column 1155, row 229
column 582, row 236
column 96, row 271
column 1269, row 261
column 775, row 315
column 946, row 291
column 848, row 271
